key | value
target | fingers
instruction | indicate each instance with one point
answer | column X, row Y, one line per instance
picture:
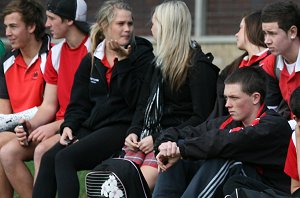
column 120, row 51
column 21, row 134
column 168, row 149
column 131, row 141
column 63, row 138
column 66, row 136
column 161, row 161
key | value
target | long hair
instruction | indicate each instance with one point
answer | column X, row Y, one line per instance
column 172, row 52
column 255, row 35
column 254, row 30
column 104, row 18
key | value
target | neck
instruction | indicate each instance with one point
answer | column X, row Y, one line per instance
column 254, row 49
column 74, row 37
column 291, row 55
column 110, row 54
column 30, row 50
column 251, row 117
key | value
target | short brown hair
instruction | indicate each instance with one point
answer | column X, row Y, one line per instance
column 32, row 13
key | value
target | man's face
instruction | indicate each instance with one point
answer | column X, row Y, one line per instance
column 16, row 30
column 240, row 105
column 276, row 39
column 121, row 28
column 58, row 27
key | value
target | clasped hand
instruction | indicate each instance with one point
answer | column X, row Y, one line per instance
column 169, row 153
column 145, row 145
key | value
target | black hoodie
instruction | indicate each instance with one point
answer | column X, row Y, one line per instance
column 191, row 104
column 94, row 103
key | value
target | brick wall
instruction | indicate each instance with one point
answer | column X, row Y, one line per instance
column 223, row 16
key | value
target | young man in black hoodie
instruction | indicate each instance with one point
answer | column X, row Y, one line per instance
column 252, row 140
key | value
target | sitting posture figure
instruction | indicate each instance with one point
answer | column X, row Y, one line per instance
column 252, row 140
column 178, row 91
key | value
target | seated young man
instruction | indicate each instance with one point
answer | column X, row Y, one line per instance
column 252, row 140
column 21, row 70
column 237, row 185
column 292, row 167
column 66, row 20
column 280, row 24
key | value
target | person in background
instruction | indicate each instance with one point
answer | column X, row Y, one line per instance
column 292, row 164
column 252, row 140
column 103, row 99
column 250, row 39
column 66, row 20
column 280, row 24
column 2, row 49
column 178, row 91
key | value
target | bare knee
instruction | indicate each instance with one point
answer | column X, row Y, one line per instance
column 39, row 151
column 43, row 147
column 5, row 137
column 9, row 153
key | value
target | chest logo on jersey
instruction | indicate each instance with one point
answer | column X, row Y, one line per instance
column 35, row 75
column 94, row 80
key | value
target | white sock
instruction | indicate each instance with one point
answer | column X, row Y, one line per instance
column 8, row 121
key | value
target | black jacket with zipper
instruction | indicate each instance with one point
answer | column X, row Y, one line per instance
column 94, row 103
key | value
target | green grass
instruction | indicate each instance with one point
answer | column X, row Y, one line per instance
column 81, row 176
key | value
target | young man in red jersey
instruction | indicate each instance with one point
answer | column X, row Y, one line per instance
column 21, row 71
column 66, row 19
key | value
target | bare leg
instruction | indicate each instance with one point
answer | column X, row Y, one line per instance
column 150, row 173
column 12, row 156
column 42, row 148
column 6, row 190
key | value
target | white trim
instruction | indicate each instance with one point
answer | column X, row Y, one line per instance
column 43, row 62
column 8, row 63
column 99, row 52
column 55, row 56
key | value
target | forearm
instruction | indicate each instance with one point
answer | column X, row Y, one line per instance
column 5, row 107
column 44, row 115
column 9, row 121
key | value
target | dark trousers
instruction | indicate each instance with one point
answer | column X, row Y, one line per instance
column 59, row 166
column 196, row 179
column 247, row 187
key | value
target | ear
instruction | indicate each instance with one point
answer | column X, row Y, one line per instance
column 69, row 22
column 297, row 120
column 31, row 28
column 256, row 98
column 293, row 31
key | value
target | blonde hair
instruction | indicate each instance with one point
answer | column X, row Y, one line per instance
column 104, row 18
column 173, row 40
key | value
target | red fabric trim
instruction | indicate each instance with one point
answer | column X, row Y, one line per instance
column 254, row 122
column 253, row 60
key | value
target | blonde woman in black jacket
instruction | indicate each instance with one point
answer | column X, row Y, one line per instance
column 178, row 91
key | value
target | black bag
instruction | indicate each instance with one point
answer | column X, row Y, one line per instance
column 247, row 193
column 118, row 177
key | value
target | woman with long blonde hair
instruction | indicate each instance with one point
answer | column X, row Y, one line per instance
column 178, row 91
